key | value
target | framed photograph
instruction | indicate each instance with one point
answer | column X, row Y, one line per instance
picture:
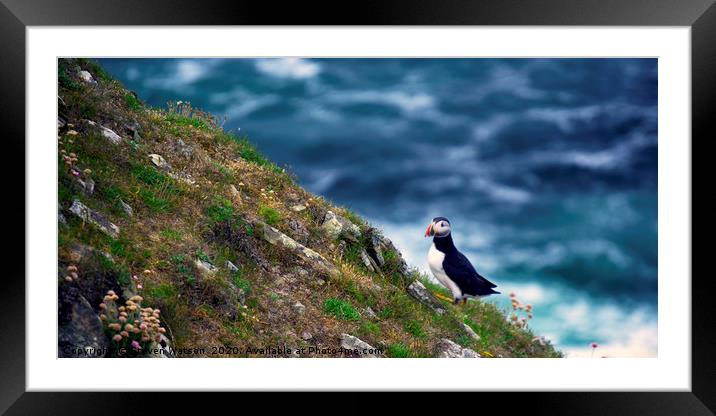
column 216, row 203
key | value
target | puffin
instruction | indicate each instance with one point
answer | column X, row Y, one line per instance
column 451, row 268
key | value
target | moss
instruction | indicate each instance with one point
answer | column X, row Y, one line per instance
column 270, row 215
column 341, row 309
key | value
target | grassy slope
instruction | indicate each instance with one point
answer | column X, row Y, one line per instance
column 175, row 222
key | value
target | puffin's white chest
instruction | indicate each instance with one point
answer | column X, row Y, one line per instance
column 435, row 261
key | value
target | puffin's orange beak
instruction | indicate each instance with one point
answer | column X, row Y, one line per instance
column 429, row 232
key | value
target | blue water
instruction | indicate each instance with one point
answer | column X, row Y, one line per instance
column 547, row 168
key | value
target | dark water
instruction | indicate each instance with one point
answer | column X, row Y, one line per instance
column 547, row 168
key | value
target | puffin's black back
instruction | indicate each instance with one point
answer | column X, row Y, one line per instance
column 459, row 269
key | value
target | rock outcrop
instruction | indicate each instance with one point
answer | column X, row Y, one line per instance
column 94, row 218
column 449, row 349
column 418, row 291
column 335, row 226
column 80, row 332
column 355, row 343
column 278, row 238
column 108, row 134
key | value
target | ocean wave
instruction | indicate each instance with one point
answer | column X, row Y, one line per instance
column 183, row 73
column 288, row 68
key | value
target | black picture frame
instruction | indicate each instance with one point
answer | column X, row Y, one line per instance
column 16, row 15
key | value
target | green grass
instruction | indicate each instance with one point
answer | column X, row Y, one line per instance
column 370, row 328
column 132, row 101
column 220, row 211
column 225, row 175
column 154, row 202
column 150, row 176
column 240, row 281
column 203, row 256
column 363, row 297
column 179, row 120
column 340, row 309
column 399, row 350
column 247, row 151
column 414, row 328
column 64, row 79
column 270, row 215
column 161, row 291
column 170, row 234
column 157, row 191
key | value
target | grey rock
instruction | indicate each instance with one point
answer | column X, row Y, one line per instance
column 342, row 249
column 298, row 231
column 449, row 349
column 133, row 129
column 205, row 268
column 86, row 77
column 278, row 238
column 419, row 292
column 351, row 342
column 369, row 263
column 184, row 150
column 89, row 186
column 108, row 134
column 370, row 313
column 80, row 332
column 306, row 335
column 83, row 183
column 366, row 260
column 470, row 332
column 299, row 308
column 61, row 122
column 94, row 218
column 184, row 177
column 298, row 208
column 378, row 245
column 335, row 226
column 235, row 194
column 159, row 162
column 126, row 208
column 61, row 218
column 231, row 266
column 78, row 252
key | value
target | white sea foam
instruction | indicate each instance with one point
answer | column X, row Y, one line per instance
column 289, row 68
column 184, row 73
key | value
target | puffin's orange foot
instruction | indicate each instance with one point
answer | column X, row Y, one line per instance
column 439, row 296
